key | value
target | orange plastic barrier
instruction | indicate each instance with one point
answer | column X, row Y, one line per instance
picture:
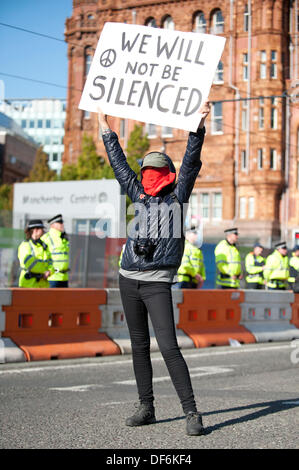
column 212, row 317
column 295, row 311
column 58, row 323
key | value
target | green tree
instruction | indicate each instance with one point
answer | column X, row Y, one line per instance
column 6, row 197
column 89, row 162
column 40, row 170
column 69, row 172
column 138, row 145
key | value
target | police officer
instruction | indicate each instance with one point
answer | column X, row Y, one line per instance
column 191, row 273
column 294, row 269
column 228, row 261
column 58, row 244
column 35, row 257
column 276, row 270
column 255, row 265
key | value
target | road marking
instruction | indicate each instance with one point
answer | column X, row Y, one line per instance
column 77, row 388
column 187, row 355
column 194, row 372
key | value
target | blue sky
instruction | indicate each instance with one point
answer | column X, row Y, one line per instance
column 31, row 56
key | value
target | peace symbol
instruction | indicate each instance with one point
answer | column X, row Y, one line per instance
column 108, row 58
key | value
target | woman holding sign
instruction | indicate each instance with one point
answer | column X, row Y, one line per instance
column 150, row 260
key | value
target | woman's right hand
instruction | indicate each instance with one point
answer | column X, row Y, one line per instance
column 102, row 117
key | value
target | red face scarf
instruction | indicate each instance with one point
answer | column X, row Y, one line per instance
column 155, row 179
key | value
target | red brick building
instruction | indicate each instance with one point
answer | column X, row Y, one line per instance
column 250, row 173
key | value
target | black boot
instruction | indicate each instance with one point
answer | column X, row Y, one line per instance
column 194, row 424
column 145, row 414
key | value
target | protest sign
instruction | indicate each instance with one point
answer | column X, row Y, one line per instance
column 152, row 75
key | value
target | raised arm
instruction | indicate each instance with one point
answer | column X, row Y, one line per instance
column 126, row 177
column 191, row 163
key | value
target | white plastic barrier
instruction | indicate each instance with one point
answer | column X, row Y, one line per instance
column 9, row 351
column 115, row 326
column 267, row 315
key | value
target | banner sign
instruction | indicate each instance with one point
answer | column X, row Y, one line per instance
column 152, row 75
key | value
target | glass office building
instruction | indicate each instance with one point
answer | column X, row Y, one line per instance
column 43, row 120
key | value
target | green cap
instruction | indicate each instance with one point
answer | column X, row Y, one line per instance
column 155, row 159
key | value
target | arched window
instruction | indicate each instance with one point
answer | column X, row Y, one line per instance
column 168, row 23
column 217, row 22
column 199, row 23
column 151, row 22
column 88, row 53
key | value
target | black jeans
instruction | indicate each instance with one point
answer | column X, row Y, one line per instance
column 139, row 299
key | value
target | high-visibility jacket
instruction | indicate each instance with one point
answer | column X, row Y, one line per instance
column 192, row 264
column 276, row 270
column 293, row 268
column 228, row 264
column 59, row 249
column 254, row 267
column 35, row 260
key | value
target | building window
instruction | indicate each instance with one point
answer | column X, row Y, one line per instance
column 217, row 118
column 40, row 123
column 273, row 159
column 251, row 208
column 244, row 162
column 246, row 18
column 217, row 206
column 168, row 23
column 88, row 59
column 199, row 23
column 151, row 130
column 86, row 115
column 55, row 157
column 260, row 158
column 55, row 140
column 263, row 64
column 217, row 22
column 151, row 22
column 261, row 113
column 219, row 73
column 57, row 124
column 242, row 207
column 193, row 211
column 205, row 205
column 166, row 131
column 244, row 115
column 273, row 67
column 24, row 123
column 31, row 124
column 122, row 128
column 245, row 66
column 273, row 123
column 48, row 124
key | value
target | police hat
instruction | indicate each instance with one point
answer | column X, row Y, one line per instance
column 281, row 245
column 57, row 218
column 231, row 230
column 257, row 245
column 35, row 223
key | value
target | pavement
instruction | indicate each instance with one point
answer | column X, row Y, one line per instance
column 248, row 395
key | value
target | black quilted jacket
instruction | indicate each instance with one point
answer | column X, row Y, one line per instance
column 157, row 218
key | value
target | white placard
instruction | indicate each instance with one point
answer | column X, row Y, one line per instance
column 152, row 75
